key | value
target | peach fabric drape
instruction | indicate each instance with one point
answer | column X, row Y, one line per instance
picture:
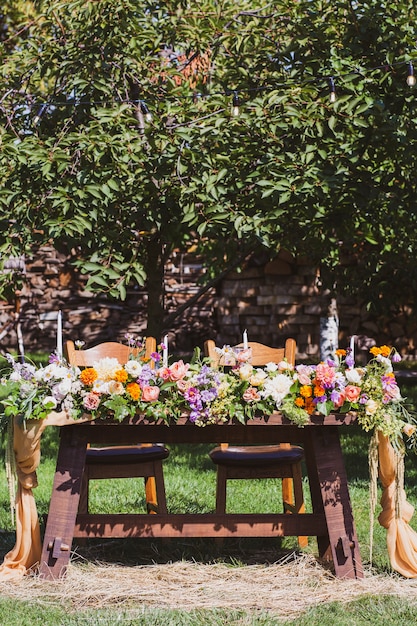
column 401, row 538
column 26, row 554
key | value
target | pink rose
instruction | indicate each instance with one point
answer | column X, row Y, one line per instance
column 251, row 395
column 304, row 374
column 183, row 385
column 150, row 393
column 164, row 373
column 91, row 401
column 178, row 370
column 352, row 393
column 244, row 356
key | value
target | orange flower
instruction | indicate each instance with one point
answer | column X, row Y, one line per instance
column 305, row 391
column 340, row 352
column 319, row 391
column 88, row 376
column 120, row 376
column 299, row 402
column 309, row 406
column 383, row 350
column 133, row 389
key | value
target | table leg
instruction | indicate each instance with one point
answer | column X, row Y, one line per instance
column 63, row 506
column 330, row 493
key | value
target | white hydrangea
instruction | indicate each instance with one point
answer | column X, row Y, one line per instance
column 277, row 388
column 106, row 368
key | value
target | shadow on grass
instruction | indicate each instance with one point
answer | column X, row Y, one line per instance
column 7, row 541
column 234, row 552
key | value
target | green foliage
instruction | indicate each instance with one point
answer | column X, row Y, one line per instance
column 79, row 164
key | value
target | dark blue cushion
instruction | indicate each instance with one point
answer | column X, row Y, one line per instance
column 126, row 454
column 256, row 455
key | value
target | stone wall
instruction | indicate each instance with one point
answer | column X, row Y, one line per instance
column 274, row 300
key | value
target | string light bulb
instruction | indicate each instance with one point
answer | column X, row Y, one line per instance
column 411, row 79
column 332, row 88
column 235, row 104
column 39, row 114
column 145, row 111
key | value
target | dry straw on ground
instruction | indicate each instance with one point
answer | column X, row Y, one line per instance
column 286, row 589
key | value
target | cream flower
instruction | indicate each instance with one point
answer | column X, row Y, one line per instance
column 371, row 407
column 409, row 429
column 245, row 371
column 115, row 387
column 277, row 388
column 258, row 377
column 354, row 375
column 106, row 368
column 133, row 368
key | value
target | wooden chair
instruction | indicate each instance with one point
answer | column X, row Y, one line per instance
column 142, row 460
column 271, row 461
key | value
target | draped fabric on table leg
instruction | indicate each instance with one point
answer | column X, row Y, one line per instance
column 401, row 538
column 26, row 553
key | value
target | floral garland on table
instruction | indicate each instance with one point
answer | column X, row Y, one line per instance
column 211, row 394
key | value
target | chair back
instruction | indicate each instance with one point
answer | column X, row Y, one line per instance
column 108, row 349
column 261, row 354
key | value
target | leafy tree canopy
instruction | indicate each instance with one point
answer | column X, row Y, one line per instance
column 82, row 166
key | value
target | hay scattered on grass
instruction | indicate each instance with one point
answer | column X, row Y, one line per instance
column 287, row 588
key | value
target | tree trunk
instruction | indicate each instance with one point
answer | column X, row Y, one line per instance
column 155, row 285
column 329, row 332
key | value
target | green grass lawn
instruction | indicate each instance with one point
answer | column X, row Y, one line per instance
column 190, row 485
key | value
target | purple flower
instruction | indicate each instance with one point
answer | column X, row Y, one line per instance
column 395, row 357
column 336, row 397
column 208, row 395
column 350, row 361
column 146, row 375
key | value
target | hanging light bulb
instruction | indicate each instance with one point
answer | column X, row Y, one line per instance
column 144, row 109
column 411, row 79
column 39, row 114
column 235, row 105
column 332, row 88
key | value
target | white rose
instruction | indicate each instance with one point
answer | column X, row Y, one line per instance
column 271, row 367
column 385, row 362
column 50, row 400
column 284, row 365
column 133, row 368
column 354, row 375
column 116, row 388
column 62, row 389
column 245, row 371
column 258, row 378
column 371, row 407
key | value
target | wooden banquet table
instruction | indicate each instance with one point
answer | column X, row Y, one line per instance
column 331, row 519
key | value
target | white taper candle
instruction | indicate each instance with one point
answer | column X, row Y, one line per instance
column 59, row 334
column 165, row 352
